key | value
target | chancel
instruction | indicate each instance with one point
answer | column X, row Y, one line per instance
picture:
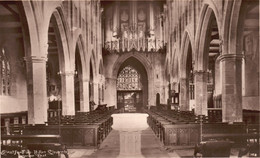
column 129, row 78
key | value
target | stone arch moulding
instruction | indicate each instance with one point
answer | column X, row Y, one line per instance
column 184, row 51
column 141, row 58
column 81, row 49
column 33, row 45
column 64, row 56
column 201, row 35
column 232, row 23
column 148, row 67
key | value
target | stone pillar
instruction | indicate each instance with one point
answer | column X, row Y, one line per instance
column 68, row 99
column 84, row 105
column 95, row 86
column 36, row 89
column 232, row 87
column 201, row 94
column 184, row 94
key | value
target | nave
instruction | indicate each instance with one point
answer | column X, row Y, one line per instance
column 66, row 67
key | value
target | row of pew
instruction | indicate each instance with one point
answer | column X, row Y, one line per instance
column 85, row 129
column 180, row 129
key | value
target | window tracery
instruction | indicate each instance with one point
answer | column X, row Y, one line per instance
column 129, row 79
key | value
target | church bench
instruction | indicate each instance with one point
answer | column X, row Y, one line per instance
column 213, row 148
column 71, row 135
column 21, row 147
column 77, row 133
column 38, row 145
column 176, row 130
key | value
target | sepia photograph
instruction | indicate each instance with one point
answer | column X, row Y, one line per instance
column 129, row 78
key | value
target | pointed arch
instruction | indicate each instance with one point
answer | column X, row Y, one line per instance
column 206, row 16
column 62, row 42
column 186, row 46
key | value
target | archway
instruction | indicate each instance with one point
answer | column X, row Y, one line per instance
column 91, row 87
column 78, row 81
column 57, row 68
column 207, row 65
column 186, row 81
column 132, row 85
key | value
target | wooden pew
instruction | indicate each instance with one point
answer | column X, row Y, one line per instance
column 213, row 149
column 38, row 145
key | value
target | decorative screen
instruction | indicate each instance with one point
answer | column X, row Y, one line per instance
column 129, row 79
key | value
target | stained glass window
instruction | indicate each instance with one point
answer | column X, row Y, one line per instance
column 5, row 74
column 129, row 79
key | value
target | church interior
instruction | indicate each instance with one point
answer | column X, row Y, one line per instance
column 129, row 78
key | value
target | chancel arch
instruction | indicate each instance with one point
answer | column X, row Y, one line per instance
column 132, row 85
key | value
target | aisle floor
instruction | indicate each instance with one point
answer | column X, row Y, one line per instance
column 151, row 147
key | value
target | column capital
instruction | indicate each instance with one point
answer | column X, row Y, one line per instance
column 199, row 72
column 67, row 73
column 230, row 56
column 36, row 59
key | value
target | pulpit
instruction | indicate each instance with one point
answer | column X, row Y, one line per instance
column 130, row 126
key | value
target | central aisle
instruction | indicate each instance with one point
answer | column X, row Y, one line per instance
column 150, row 146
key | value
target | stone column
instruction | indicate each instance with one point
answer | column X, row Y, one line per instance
column 95, row 86
column 184, row 95
column 84, row 105
column 36, row 89
column 68, row 99
column 232, row 87
column 201, row 94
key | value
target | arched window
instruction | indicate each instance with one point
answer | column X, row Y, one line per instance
column 129, row 79
column 5, row 74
